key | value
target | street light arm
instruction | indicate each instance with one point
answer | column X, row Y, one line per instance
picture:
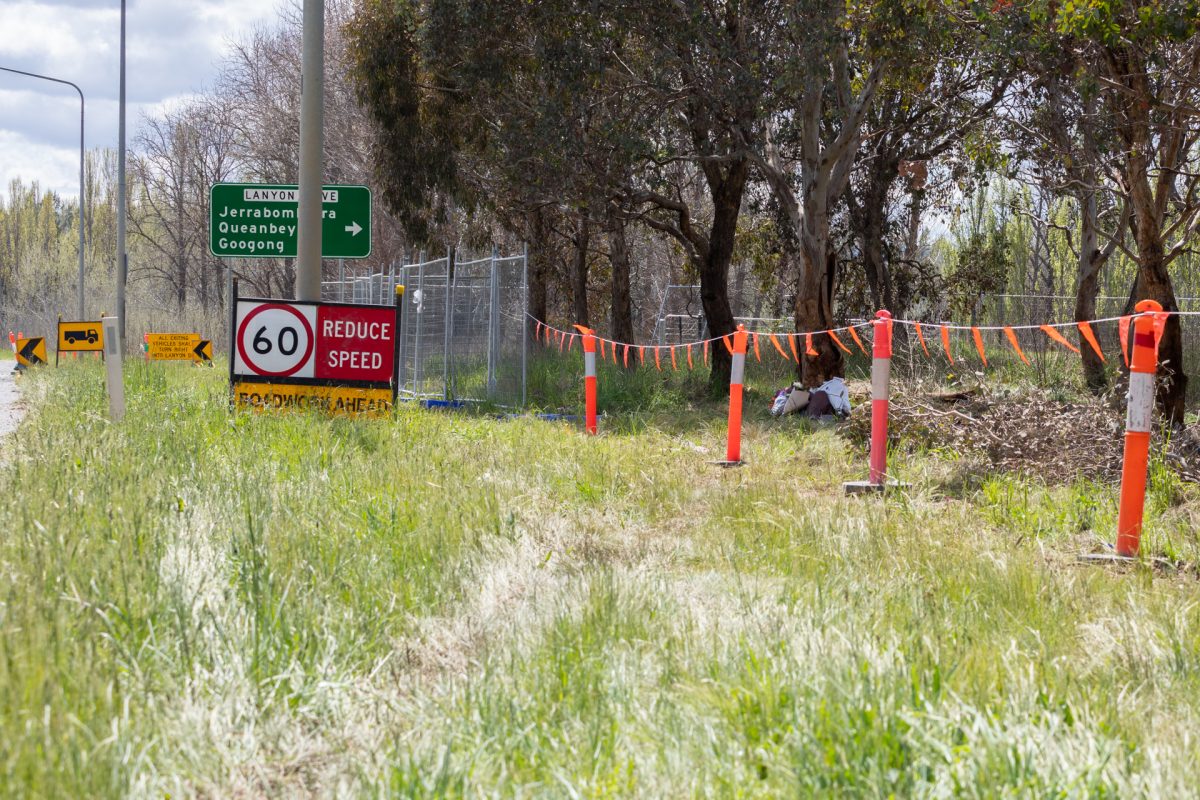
column 81, row 151
column 45, row 78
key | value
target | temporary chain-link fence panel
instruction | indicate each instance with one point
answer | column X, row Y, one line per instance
column 462, row 335
column 681, row 314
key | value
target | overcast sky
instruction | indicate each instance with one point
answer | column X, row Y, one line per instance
column 172, row 50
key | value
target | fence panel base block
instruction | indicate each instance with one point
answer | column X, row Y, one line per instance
column 727, row 463
column 866, row 487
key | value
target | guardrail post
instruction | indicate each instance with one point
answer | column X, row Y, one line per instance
column 113, row 368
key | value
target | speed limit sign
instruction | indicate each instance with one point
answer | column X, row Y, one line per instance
column 337, row 357
column 275, row 340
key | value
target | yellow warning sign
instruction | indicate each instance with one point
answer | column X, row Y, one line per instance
column 80, row 337
column 177, row 347
column 31, row 351
column 348, row 400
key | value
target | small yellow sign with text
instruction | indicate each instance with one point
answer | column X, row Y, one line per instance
column 347, row 400
column 177, row 347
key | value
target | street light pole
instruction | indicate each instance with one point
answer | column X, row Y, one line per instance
column 312, row 135
column 81, row 215
column 122, row 262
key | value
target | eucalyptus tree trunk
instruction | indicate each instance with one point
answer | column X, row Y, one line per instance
column 579, row 270
column 539, row 270
column 622, row 302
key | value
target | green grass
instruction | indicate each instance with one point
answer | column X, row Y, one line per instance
column 194, row 603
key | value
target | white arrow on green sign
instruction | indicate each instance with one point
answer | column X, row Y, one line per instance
column 257, row 220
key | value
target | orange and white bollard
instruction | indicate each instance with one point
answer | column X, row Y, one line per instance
column 737, row 376
column 589, row 378
column 881, row 373
column 1138, row 414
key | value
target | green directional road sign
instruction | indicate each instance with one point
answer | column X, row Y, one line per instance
column 256, row 220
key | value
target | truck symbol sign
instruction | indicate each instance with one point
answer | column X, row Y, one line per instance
column 71, row 337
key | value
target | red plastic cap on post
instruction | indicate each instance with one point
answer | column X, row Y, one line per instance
column 1145, row 348
column 882, row 346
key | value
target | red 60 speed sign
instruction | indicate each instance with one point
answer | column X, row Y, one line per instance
column 275, row 340
column 314, row 342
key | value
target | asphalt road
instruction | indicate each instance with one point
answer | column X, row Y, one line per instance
column 10, row 400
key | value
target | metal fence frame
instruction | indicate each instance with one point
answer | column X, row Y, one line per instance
column 462, row 336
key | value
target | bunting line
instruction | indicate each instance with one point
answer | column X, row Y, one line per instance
column 1084, row 328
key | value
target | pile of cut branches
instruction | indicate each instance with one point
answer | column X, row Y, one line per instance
column 1028, row 432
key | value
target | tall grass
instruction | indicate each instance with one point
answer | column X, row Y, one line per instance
column 198, row 603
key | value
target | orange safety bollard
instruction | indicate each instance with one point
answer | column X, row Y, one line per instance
column 1139, row 410
column 589, row 378
column 881, row 372
column 737, row 375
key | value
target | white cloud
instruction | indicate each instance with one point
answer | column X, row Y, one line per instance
column 53, row 168
column 173, row 48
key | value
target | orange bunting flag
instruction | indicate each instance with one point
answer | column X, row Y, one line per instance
column 792, row 344
column 657, row 359
column 689, row 349
column 857, row 341
column 601, row 341
column 838, row 341
column 809, row 350
column 1058, row 337
column 728, row 344
column 562, row 340
column 674, row 366
column 1012, row 339
column 979, row 343
column 946, row 343
column 642, row 354
column 547, row 334
column 537, row 330
column 1160, row 327
column 778, row 346
column 626, row 356
column 706, row 352
column 1090, row 336
column 757, row 355
column 921, row 338
column 1123, row 335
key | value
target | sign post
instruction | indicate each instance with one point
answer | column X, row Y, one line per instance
column 248, row 220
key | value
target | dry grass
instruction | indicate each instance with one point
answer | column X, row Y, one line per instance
column 438, row 605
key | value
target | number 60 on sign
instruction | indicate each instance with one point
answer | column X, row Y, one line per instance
column 326, row 343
